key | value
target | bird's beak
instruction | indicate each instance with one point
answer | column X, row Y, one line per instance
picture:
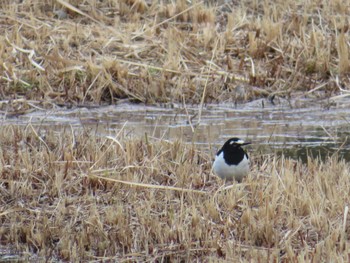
column 245, row 143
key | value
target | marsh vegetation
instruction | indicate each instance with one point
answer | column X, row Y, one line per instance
column 80, row 195
column 80, row 52
column 83, row 197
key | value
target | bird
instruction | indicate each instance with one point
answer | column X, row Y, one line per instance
column 231, row 161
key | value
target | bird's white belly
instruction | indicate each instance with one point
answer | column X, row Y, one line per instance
column 230, row 172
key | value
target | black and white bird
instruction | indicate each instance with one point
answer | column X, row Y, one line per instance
column 231, row 161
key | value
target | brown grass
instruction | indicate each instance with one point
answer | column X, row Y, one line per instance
column 75, row 196
column 170, row 51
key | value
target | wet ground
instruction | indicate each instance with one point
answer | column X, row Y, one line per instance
column 298, row 128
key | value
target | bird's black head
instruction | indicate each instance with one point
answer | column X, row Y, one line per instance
column 235, row 143
column 233, row 153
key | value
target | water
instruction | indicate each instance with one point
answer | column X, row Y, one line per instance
column 297, row 129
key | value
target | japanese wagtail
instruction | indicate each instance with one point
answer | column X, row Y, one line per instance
column 231, row 161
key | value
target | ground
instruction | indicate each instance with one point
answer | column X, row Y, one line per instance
column 78, row 196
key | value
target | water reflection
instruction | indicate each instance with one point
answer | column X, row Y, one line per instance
column 295, row 131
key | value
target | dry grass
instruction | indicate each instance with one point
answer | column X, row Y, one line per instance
column 75, row 196
column 171, row 51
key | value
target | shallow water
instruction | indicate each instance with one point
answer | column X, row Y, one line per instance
column 298, row 128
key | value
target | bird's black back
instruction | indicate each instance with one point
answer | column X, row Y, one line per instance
column 233, row 153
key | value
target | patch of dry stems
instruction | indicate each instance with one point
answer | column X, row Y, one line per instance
column 74, row 195
column 80, row 52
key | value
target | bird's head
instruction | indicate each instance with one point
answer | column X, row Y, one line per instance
column 236, row 142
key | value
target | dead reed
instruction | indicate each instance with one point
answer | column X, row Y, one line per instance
column 80, row 52
column 72, row 196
